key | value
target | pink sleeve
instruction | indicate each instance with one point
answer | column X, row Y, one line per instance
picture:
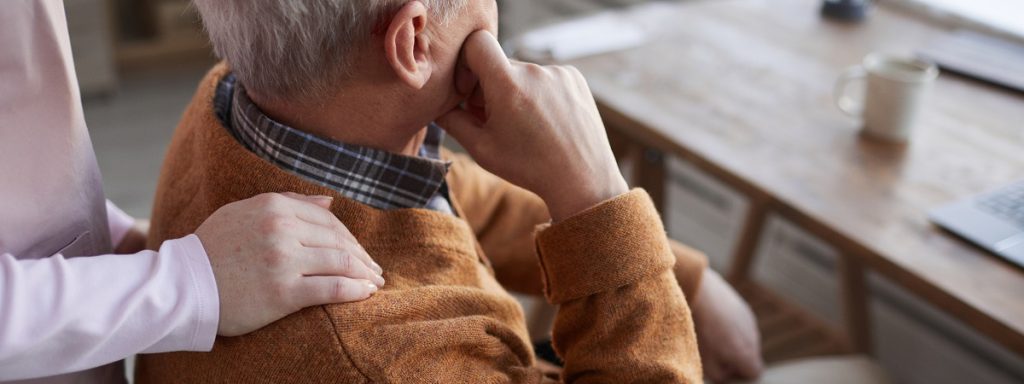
column 120, row 223
column 62, row 315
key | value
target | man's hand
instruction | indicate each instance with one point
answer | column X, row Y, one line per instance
column 730, row 344
column 535, row 126
column 274, row 254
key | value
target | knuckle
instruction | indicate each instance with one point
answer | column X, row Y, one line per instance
column 276, row 224
column 574, row 72
column 272, row 202
column 276, row 258
column 519, row 98
column 265, row 198
column 508, row 77
column 345, row 263
column 532, row 69
column 341, row 240
column 281, row 292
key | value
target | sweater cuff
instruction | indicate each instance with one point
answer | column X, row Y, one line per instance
column 614, row 244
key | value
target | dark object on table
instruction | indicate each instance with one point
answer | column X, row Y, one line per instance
column 846, row 10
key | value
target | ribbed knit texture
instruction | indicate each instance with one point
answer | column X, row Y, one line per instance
column 443, row 317
column 504, row 218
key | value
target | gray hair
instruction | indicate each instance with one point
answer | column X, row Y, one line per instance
column 297, row 48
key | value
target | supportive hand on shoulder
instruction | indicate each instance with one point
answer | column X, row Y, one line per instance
column 275, row 254
column 536, row 126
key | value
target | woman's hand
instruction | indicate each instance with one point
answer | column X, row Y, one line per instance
column 275, row 254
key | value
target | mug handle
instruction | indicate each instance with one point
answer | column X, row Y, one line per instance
column 846, row 103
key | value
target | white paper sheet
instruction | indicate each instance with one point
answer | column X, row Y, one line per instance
column 601, row 33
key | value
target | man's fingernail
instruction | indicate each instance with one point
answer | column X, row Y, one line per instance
column 373, row 287
column 379, row 281
column 376, row 267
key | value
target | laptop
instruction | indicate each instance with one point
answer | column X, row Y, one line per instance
column 993, row 221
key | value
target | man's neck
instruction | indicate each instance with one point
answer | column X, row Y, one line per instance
column 365, row 121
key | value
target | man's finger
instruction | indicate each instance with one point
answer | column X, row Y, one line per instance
column 321, row 290
column 463, row 125
column 333, row 262
column 477, row 104
column 485, row 58
column 465, row 80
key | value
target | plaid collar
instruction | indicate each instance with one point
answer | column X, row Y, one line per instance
column 377, row 178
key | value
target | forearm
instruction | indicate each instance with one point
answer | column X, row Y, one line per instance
column 62, row 315
column 622, row 316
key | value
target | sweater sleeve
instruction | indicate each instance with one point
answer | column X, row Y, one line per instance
column 504, row 218
column 622, row 316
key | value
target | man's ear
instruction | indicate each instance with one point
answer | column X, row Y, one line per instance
column 407, row 46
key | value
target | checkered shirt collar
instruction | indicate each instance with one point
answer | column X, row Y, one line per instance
column 377, row 178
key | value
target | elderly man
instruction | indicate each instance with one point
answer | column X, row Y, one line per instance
column 339, row 98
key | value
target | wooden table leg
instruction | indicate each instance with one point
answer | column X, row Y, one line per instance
column 650, row 175
column 648, row 166
column 743, row 257
column 856, row 311
column 621, row 145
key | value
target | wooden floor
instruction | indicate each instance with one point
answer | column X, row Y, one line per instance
column 789, row 332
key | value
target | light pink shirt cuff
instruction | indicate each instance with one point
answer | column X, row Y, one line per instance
column 60, row 315
column 120, row 223
column 198, row 263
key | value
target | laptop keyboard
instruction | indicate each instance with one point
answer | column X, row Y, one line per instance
column 1007, row 204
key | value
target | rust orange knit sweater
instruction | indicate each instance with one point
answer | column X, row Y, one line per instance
column 443, row 317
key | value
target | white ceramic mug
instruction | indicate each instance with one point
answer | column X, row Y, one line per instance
column 896, row 88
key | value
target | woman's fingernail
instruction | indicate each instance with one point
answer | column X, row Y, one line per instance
column 377, row 267
column 373, row 288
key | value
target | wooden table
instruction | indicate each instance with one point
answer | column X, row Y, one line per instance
column 743, row 89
